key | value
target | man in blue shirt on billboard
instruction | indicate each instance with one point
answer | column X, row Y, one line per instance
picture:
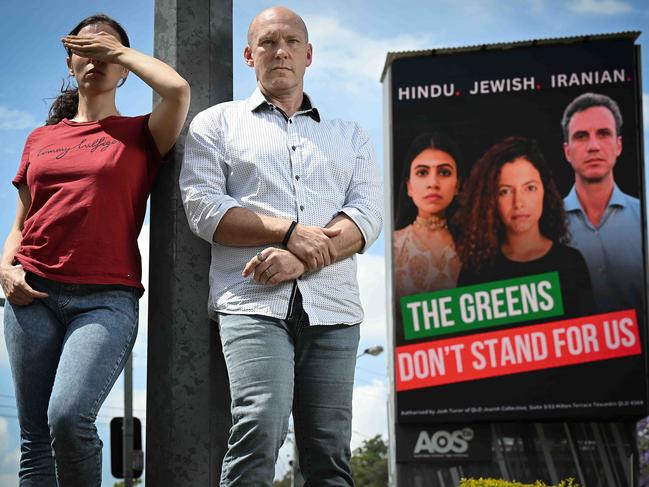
column 604, row 222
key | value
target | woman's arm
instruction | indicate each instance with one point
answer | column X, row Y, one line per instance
column 12, row 277
column 168, row 117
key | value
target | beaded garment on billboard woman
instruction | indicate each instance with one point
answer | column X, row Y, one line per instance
column 420, row 264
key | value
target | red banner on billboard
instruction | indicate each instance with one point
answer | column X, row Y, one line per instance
column 516, row 350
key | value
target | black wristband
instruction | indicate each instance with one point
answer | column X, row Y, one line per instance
column 289, row 232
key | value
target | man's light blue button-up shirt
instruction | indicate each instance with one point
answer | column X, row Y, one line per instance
column 613, row 250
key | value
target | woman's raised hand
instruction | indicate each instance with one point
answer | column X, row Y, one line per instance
column 101, row 46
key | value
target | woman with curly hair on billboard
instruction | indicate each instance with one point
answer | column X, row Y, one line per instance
column 424, row 249
column 514, row 224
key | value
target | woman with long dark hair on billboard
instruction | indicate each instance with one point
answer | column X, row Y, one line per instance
column 515, row 224
column 71, row 266
column 424, row 250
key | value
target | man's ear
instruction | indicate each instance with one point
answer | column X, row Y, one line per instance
column 309, row 54
column 68, row 61
column 247, row 56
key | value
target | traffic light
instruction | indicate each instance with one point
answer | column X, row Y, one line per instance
column 117, row 451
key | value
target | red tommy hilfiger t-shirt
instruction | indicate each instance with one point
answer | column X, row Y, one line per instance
column 89, row 182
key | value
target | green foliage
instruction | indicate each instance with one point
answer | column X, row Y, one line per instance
column 120, row 483
column 643, row 447
column 369, row 463
column 284, row 481
column 502, row 483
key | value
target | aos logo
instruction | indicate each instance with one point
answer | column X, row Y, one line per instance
column 443, row 441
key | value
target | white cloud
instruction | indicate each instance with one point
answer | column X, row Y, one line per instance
column 371, row 280
column 16, row 119
column 600, row 7
column 370, row 416
column 9, row 457
column 140, row 349
column 351, row 58
column 285, row 457
column 645, row 111
column 9, row 480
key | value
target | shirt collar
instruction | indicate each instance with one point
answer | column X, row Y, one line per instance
column 571, row 202
column 258, row 101
column 618, row 198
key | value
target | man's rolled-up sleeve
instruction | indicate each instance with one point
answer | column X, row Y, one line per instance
column 364, row 196
column 203, row 177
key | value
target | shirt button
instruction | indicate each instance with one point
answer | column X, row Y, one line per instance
column 301, row 207
column 293, row 147
column 290, row 121
column 297, row 178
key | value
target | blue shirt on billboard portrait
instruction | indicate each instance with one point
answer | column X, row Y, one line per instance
column 613, row 249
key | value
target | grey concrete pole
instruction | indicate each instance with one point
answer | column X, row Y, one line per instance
column 187, row 393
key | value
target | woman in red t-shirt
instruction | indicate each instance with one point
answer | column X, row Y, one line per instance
column 71, row 268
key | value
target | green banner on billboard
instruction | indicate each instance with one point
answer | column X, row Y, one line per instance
column 481, row 306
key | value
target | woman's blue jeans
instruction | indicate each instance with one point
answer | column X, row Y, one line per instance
column 65, row 352
column 275, row 366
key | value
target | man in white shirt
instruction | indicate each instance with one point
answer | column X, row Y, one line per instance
column 287, row 199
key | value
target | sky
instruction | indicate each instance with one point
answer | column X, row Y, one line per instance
column 350, row 41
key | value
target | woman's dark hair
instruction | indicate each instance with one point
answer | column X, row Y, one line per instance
column 67, row 103
column 482, row 230
column 406, row 211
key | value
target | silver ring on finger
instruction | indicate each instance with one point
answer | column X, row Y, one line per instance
column 260, row 257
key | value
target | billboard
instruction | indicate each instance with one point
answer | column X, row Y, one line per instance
column 517, row 242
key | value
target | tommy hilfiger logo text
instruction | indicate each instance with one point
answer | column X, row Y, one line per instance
column 101, row 144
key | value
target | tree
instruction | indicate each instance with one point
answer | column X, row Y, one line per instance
column 369, row 463
column 285, row 481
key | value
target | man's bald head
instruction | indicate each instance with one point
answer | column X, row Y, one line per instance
column 274, row 14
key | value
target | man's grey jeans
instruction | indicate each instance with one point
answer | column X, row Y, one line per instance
column 275, row 366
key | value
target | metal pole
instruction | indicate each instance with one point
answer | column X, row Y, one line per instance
column 127, row 425
column 188, row 403
column 573, row 451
